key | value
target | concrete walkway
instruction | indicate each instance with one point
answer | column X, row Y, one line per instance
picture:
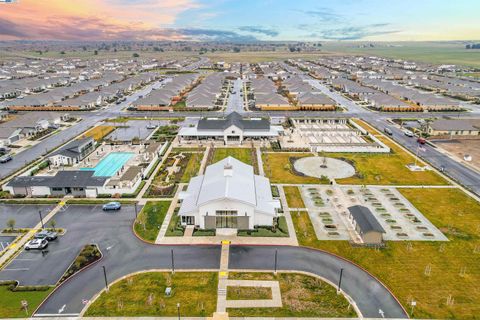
column 288, row 217
column 142, row 192
column 222, row 281
column 261, row 172
column 203, row 164
column 169, row 215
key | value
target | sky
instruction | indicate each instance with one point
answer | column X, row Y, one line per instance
column 241, row 20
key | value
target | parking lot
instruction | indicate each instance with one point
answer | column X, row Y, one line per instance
column 25, row 216
column 84, row 224
column 5, row 242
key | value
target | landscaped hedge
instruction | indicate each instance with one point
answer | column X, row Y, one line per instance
column 89, row 254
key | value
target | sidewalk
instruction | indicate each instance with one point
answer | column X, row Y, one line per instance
column 169, row 215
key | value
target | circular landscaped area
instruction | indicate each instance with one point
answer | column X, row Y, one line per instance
column 328, row 167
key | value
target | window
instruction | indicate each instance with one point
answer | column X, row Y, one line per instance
column 226, row 213
column 57, row 189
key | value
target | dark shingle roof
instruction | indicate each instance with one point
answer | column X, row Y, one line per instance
column 365, row 219
column 73, row 179
column 235, row 119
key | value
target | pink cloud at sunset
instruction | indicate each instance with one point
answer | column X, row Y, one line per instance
column 91, row 19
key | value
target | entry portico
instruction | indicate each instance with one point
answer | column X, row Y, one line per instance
column 228, row 195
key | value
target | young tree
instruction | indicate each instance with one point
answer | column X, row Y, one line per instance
column 11, row 224
column 53, row 224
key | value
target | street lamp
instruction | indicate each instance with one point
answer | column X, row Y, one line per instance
column 105, row 278
column 178, row 310
column 340, row 280
column 41, row 218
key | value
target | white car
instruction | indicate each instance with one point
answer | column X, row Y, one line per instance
column 38, row 244
column 408, row 133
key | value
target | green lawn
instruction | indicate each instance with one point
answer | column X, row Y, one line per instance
column 429, row 52
column 278, row 168
column 150, row 219
column 193, row 165
column 294, row 198
column 10, row 302
column 387, row 168
column 401, row 265
column 242, row 154
column 248, row 293
column 144, row 295
column 302, row 296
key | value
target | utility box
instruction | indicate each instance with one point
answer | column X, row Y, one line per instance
column 168, row 291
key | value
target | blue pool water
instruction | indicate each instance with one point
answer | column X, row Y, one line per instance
column 109, row 165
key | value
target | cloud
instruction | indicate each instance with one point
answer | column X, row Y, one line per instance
column 10, row 29
column 355, row 32
column 93, row 19
column 213, row 35
column 323, row 14
column 260, row 30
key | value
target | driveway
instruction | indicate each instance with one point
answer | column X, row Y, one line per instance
column 25, row 216
column 370, row 295
column 367, row 292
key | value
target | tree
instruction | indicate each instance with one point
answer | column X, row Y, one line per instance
column 236, row 49
column 62, row 52
column 135, row 55
column 53, row 224
column 95, row 52
column 11, row 224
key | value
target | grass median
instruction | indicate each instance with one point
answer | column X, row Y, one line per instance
column 302, row 296
column 144, row 295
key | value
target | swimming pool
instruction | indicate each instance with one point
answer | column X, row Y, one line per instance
column 109, row 165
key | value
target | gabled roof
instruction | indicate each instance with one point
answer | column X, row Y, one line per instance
column 229, row 179
column 235, row 119
column 365, row 219
column 74, row 178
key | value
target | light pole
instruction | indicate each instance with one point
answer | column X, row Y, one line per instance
column 276, row 254
column 173, row 263
column 340, row 280
column 136, row 212
column 178, row 310
column 41, row 218
column 105, row 277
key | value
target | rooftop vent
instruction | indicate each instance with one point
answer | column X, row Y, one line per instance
column 228, row 170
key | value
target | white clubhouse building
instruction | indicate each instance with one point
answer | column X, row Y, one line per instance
column 232, row 129
column 228, row 195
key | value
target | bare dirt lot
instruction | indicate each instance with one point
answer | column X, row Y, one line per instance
column 461, row 147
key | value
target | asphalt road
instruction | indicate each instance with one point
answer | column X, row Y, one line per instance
column 235, row 100
column 369, row 294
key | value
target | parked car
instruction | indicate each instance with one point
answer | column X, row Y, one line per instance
column 45, row 234
column 421, row 140
column 151, row 126
column 37, row 244
column 5, row 158
column 388, row 131
column 408, row 133
column 114, row 205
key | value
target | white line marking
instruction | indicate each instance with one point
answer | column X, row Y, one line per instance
column 17, row 269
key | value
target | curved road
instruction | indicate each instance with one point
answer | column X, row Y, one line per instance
column 368, row 293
